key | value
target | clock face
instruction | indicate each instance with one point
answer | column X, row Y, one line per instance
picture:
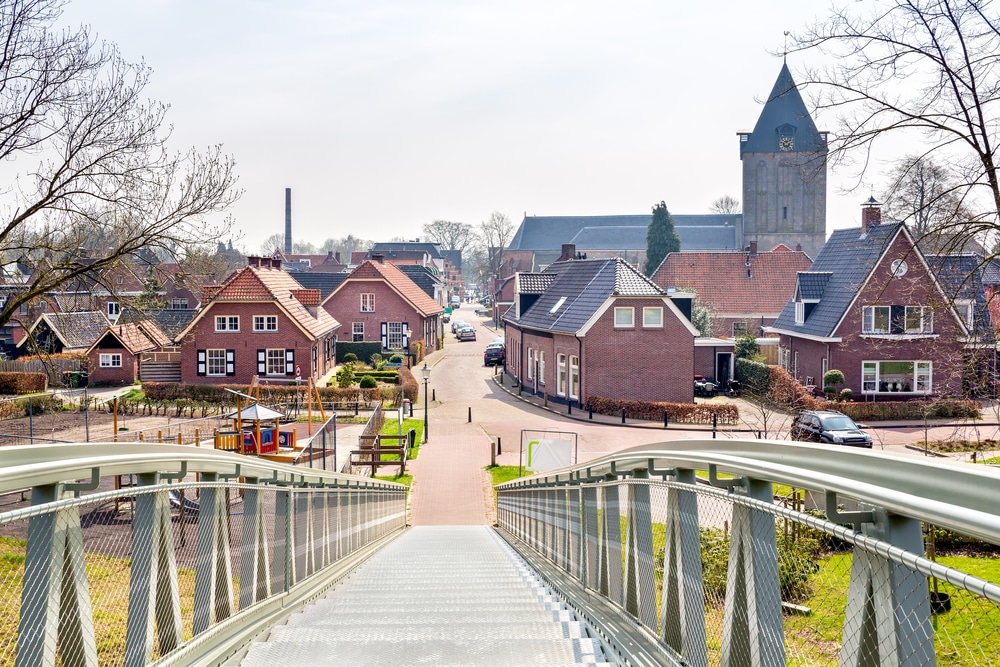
column 898, row 268
column 786, row 143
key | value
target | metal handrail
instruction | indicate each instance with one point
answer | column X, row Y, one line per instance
column 960, row 496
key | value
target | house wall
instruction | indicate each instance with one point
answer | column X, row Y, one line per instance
column 246, row 342
column 127, row 374
column 722, row 327
column 345, row 306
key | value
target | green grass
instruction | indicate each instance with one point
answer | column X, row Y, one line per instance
column 406, row 479
column 391, row 427
column 501, row 474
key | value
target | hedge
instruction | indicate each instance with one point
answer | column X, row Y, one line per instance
column 754, row 376
column 170, row 391
column 19, row 407
column 411, row 388
column 23, row 383
column 685, row 413
column 388, row 377
column 947, row 408
column 364, row 351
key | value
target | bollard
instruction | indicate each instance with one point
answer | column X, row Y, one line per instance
column 434, row 394
column 501, row 379
column 545, row 399
column 569, row 406
column 520, row 388
column 180, row 439
column 590, row 409
column 493, row 455
column 470, row 414
column 623, row 415
column 666, row 419
column 499, row 449
column 715, row 420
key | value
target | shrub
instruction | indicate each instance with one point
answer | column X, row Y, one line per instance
column 23, row 383
column 368, row 382
column 846, row 395
column 345, row 376
column 350, row 357
column 396, row 359
column 754, row 376
column 746, row 347
column 830, row 391
column 411, row 388
column 796, row 564
column 360, row 350
column 24, row 407
column 833, row 377
column 376, row 361
column 688, row 413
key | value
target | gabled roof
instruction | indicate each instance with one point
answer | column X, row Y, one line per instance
column 622, row 232
column 76, row 331
column 783, row 113
column 398, row 281
column 725, row 284
column 422, row 277
column 849, row 257
column 324, row 282
column 580, row 289
column 135, row 337
column 252, row 283
column 453, row 256
column 169, row 321
column 963, row 277
column 432, row 249
column 533, row 283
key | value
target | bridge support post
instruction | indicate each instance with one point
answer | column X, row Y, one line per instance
column 575, row 533
column 888, row 619
column 255, row 570
column 282, row 568
column 591, row 539
column 213, row 579
column 753, row 629
column 683, row 609
column 640, row 585
column 610, row 584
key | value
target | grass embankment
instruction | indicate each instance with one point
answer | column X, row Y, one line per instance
column 391, row 427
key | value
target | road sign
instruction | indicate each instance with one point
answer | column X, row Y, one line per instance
column 298, row 372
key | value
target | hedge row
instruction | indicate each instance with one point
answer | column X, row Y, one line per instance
column 411, row 388
column 389, row 377
column 949, row 408
column 23, row 383
column 23, row 407
column 685, row 413
column 170, row 391
column 364, row 351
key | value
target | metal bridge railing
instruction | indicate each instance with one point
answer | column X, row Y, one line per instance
column 169, row 570
column 765, row 553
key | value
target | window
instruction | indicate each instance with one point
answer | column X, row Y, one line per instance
column 227, row 322
column 541, row 367
column 624, row 318
column 574, row 377
column 800, row 312
column 368, row 302
column 964, row 309
column 824, row 367
column 178, row 304
column 265, row 322
column 24, row 309
column 395, row 333
column 358, row 332
column 531, row 364
column 740, row 329
column 114, row 309
column 216, row 362
column 918, row 319
column 876, row 320
column 275, row 362
column 44, row 306
column 879, row 377
column 560, row 374
column 652, row 317
column 111, row 361
column 119, row 280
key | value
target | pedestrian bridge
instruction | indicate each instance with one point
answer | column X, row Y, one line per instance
column 683, row 553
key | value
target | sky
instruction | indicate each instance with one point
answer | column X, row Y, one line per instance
column 384, row 115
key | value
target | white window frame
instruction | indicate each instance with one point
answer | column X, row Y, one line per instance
column 541, row 366
column 800, row 312
column 227, row 323
column 368, row 302
column 357, row 329
column 178, row 304
column 274, row 360
column 920, row 381
column 111, row 360
column 624, row 317
column 652, row 317
column 574, row 377
column 925, row 315
column 114, row 309
column 531, row 364
column 744, row 329
column 868, row 321
column 265, row 323
column 560, row 374
column 215, row 358
column 394, row 335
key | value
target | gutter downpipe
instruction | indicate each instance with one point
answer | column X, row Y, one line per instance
column 579, row 372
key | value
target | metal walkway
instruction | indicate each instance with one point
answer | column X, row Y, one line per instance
column 437, row 595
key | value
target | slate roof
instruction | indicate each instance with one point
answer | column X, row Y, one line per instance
column 849, row 257
column 533, row 283
column 455, row 256
column 812, row 284
column 169, row 321
column 622, row 232
column 135, row 337
column 963, row 277
column 784, row 107
column 399, row 281
column 324, row 282
column 432, row 249
column 422, row 276
column 583, row 286
column 721, row 282
column 77, row 331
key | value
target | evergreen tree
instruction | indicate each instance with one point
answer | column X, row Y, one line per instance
column 661, row 238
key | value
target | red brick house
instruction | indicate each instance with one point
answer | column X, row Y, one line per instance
column 379, row 302
column 893, row 320
column 743, row 291
column 598, row 327
column 262, row 322
column 115, row 357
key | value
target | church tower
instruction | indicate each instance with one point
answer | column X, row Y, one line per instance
column 784, row 173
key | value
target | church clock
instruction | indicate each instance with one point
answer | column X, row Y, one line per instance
column 786, row 143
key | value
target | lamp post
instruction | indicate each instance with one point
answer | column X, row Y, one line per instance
column 425, row 372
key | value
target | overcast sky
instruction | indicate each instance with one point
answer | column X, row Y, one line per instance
column 384, row 115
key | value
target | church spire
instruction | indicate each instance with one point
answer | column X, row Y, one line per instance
column 784, row 123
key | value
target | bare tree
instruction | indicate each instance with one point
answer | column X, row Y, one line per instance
column 495, row 234
column 273, row 242
column 97, row 185
column 927, row 69
column 727, row 205
column 451, row 235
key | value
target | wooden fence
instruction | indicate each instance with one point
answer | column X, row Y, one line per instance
column 57, row 369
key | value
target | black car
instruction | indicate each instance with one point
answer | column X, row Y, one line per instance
column 831, row 427
column 495, row 354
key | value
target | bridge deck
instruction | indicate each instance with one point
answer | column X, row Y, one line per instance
column 441, row 595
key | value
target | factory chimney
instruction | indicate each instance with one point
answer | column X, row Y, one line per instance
column 288, row 221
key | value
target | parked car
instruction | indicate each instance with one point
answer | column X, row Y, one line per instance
column 495, row 354
column 456, row 324
column 466, row 333
column 831, row 427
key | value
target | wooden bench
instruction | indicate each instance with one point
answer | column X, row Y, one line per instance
column 372, row 450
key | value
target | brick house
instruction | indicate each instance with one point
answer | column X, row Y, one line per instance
column 63, row 333
column 874, row 307
column 115, row 357
column 743, row 290
column 378, row 302
column 598, row 327
column 262, row 322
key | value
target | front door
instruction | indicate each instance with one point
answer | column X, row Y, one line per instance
column 723, row 367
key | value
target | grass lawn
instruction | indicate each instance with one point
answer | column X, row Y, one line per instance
column 391, row 427
column 406, row 479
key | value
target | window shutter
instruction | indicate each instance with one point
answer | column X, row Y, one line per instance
column 289, row 362
column 230, row 362
column 261, row 362
column 406, row 336
column 385, row 335
column 201, row 362
column 897, row 319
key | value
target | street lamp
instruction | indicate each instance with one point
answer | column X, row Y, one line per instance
column 426, row 373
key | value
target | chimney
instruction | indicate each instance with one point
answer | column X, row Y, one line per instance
column 871, row 214
column 378, row 258
column 336, row 256
column 568, row 252
column 753, row 248
column 798, row 247
column 288, row 221
column 253, row 260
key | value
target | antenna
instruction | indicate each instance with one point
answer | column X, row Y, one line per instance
column 784, row 55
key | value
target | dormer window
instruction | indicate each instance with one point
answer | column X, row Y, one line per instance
column 800, row 312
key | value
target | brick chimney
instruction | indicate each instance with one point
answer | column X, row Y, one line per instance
column 753, row 248
column 568, row 252
column 871, row 214
column 377, row 257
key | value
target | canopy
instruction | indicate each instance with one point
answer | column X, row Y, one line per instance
column 256, row 413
